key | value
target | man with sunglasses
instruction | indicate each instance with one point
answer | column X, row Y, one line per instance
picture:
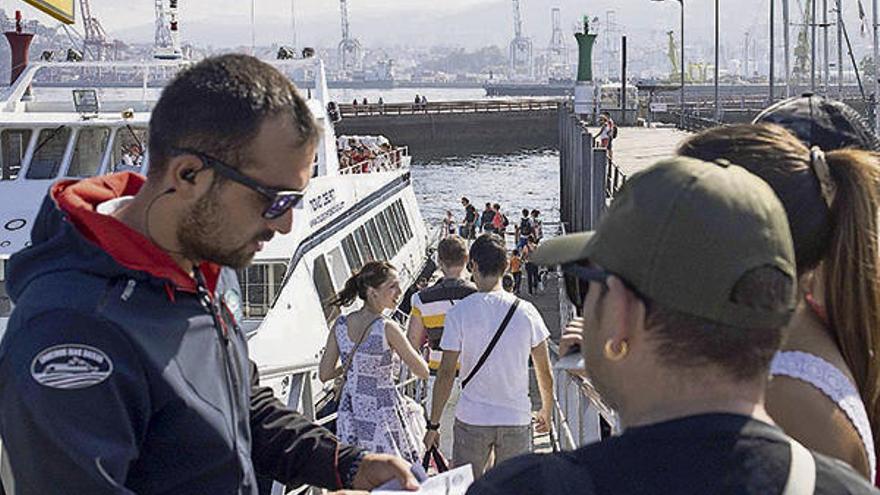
column 121, row 371
column 685, row 288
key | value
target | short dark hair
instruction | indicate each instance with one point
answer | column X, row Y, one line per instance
column 743, row 354
column 489, row 254
column 452, row 251
column 217, row 107
column 525, row 212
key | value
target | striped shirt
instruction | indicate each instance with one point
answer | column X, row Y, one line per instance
column 430, row 306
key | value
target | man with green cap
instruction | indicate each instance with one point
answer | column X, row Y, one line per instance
column 685, row 288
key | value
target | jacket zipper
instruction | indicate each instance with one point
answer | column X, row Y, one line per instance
column 232, row 388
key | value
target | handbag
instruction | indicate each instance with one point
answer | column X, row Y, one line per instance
column 433, row 454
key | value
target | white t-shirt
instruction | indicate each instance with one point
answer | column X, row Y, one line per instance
column 498, row 395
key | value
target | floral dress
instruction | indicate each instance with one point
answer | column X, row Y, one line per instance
column 371, row 413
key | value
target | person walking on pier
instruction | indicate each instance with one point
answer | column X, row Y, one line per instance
column 825, row 378
column 686, row 288
column 372, row 413
column 486, row 219
column 121, row 371
column 494, row 333
column 427, row 320
column 516, row 270
column 532, row 268
column 524, row 229
column 537, row 225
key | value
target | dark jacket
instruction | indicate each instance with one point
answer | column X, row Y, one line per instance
column 120, row 374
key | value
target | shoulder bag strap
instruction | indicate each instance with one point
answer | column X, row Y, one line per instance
column 801, row 471
column 492, row 343
column 354, row 351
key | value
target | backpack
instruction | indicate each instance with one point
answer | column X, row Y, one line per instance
column 505, row 221
column 614, row 132
column 525, row 227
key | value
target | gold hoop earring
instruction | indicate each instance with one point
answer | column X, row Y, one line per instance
column 613, row 355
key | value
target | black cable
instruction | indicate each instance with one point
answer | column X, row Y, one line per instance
column 147, row 227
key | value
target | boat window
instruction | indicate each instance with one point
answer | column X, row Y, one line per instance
column 338, row 267
column 260, row 284
column 13, row 146
column 351, row 253
column 385, row 232
column 360, row 236
column 396, row 229
column 49, row 153
column 129, row 147
column 5, row 300
column 402, row 222
column 324, row 286
column 88, row 151
column 375, row 240
column 405, row 219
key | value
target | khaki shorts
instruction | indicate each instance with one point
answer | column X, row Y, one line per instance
column 473, row 445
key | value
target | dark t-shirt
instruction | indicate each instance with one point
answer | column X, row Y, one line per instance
column 712, row 453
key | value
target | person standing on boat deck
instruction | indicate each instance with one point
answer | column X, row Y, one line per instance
column 686, row 288
column 825, row 387
column 120, row 372
column 427, row 320
column 494, row 411
column 371, row 410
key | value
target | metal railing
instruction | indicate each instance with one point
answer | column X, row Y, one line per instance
column 447, row 107
column 383, row 162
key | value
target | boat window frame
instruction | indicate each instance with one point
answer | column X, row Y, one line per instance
column 65, row 156
column 352, row 254
column 385, row 233
column 363, row 244
column 75, row 139
column 273, row 272
column 25, row 157
column 108, row 158
column 331, row 311
column 376, row 238
column 339, row 268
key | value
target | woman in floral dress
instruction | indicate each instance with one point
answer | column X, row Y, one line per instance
column 372, row 412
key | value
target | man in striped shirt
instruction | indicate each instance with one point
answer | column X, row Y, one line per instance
column 429, row 307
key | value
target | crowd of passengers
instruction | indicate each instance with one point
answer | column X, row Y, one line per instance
column 365, row 154
column 728, row 310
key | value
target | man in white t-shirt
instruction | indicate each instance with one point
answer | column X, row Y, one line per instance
column 494, row 411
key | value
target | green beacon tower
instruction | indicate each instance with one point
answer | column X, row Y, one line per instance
column 585, row 91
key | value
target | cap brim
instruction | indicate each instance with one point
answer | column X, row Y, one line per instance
column 564, row 249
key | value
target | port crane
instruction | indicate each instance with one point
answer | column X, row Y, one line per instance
column 520, row 47
column 350, row 50
column 558, row 50
column 672, row 54
column 96, row 43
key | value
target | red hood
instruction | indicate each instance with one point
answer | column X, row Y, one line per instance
column 79, row 199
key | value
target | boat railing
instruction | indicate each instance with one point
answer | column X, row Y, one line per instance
column 387, row 161
column 445, row 107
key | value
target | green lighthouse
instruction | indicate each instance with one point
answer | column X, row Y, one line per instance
column 585, row 42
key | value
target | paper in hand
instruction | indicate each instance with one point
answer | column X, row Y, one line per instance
column 453, row 482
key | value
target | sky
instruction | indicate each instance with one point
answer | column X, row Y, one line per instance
column 466, row 23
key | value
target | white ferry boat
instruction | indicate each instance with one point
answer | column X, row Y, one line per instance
column 352, row 214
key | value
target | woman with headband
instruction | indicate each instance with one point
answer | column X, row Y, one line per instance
column 825, row 389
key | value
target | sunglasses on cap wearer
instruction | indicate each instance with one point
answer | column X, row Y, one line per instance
column 577, row 282
column 577, row 279
column 279, row 200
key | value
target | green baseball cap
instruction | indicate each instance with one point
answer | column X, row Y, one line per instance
column 682, row 233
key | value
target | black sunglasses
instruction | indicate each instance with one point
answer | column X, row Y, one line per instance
column 280, row 200
column 577, row 282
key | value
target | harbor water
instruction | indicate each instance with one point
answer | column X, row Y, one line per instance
column 524, row 180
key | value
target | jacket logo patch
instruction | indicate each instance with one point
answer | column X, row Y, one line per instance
column 71, row 366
